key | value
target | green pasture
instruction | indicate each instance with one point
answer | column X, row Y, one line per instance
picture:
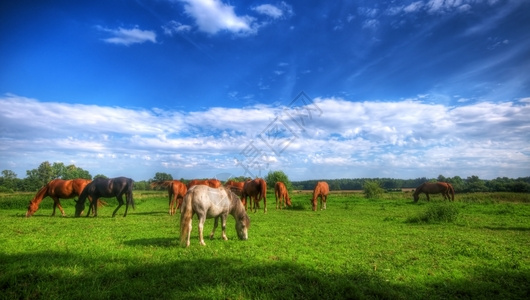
column 387, row 248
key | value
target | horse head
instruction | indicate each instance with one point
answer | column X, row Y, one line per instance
column 79, row 207
column 416, row 196
column 288, row 201
column 242, row 225
column 32, row 208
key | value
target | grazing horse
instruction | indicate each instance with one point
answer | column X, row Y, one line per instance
column 175, row 190
column 256, row 190
column 56, row 189
column 214, row 183
column 234, row 186
column 103, row 187
column 443, row 188
column 280, row 191
column 209, row 202
column 321, row 190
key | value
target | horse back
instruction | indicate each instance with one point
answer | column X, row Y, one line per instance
column 321, row 188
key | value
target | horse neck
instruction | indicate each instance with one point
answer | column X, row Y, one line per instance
column 236, row 207
column 41, row 194
column 418, row 190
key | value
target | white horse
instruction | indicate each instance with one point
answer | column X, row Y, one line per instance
column 209, row 202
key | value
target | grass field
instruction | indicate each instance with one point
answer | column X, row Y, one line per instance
column 389, row 248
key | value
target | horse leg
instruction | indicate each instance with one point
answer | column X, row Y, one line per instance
column 214, row 227
column 60, row 207
column 91, row 207
column 223, row 226
column 428, row 199
column 201, row 230
column 325, row 199
column 55, row 200
column 120, row 203
column 170, row 205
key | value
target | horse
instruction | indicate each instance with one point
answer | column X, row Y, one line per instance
column 214, row 183
column 255, row 189
column 443, row 188
column 103, row 187
column 321, row 190
column 280, row 191
column 216, row 203
column 176, row 191
column 234, row 186
column 56, row 189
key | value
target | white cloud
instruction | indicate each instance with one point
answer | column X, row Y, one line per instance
column 122, row 36
column 212, row 16
column 269, row 10
column 403, row 139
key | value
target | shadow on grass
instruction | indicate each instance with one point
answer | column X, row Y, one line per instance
column 60, row 276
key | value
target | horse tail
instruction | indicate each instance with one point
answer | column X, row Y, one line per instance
column 263, row 189
column 186, row 213
column 130, row 199
column 452, row 191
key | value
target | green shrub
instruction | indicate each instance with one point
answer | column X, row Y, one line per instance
column 436, row 213
column 372, row 189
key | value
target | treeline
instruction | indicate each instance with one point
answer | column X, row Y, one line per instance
column 470, row 184
column 37, row 178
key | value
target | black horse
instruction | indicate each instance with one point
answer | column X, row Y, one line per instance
column 105, row 188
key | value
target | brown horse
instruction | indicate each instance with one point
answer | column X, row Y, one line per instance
column 280, row 191
column 256, row 190
column 443, row 188
column 56, row 189
column 175, row 190
column 235, row 187
column 213, row 183
column 103, row 187
column 321, row 190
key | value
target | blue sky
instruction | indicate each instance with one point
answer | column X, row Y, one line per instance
column 317, row 89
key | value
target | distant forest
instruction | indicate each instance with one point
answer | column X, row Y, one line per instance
column 37, row 178
column 469, row 184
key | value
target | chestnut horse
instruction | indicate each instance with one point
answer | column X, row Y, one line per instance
column 56, row 189
column 175, row 190
column 103, row 187
column 234, row 186
column 256, row 190
column 208, row 202
column 214, row 183
column 321, row 190
column 443, row 188
column 280, row 191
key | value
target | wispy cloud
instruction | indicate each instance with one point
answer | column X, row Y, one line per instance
column 173, row 27
column 396, row 139
column 122, row 36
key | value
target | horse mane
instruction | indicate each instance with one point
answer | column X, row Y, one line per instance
column 41, row 194
column 165, row 183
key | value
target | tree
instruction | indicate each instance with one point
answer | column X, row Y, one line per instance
column 100, row 176
column 39, row 177
column 8, row 181
column 275, row 176
column 162, row 177
column 475, row 184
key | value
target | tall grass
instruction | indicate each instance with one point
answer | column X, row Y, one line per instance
column 357, row 248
